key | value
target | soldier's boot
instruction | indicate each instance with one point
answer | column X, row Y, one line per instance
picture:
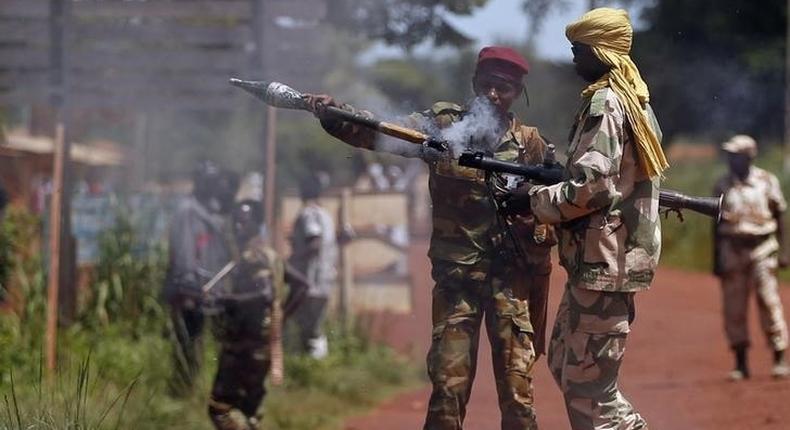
column 780, row 368
column 253, row 423
column 741, row 370
column 221, row 417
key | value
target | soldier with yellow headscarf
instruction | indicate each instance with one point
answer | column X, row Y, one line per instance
column 610, row 238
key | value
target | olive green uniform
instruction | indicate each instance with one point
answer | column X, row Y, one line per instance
column 478, row 275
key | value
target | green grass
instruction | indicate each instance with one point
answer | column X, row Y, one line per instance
column 115, row 361
column 108, row 380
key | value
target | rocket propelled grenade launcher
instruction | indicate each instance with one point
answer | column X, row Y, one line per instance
column 548, row 175
column 279, row 95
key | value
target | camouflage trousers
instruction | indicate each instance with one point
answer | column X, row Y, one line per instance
column 585, row 353
column 239, row 385
column 463, row 297
column 759, row 274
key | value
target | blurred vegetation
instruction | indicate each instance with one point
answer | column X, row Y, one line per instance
column 715, row 67
column 404, row 23
column 123, row 292
column 115, row 360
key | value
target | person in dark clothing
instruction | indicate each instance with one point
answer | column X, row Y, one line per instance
column 199, row 247
column 243, row 325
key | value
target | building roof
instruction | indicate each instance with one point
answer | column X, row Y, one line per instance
column 99, row 153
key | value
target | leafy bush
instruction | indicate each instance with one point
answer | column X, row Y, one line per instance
column 115, row 363
column 127, row 283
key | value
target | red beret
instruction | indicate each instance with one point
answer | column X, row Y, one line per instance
column 518, row 64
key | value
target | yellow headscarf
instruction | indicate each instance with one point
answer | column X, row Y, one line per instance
column 609, row 33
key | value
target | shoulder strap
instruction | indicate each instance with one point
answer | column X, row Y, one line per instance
column 534, row 150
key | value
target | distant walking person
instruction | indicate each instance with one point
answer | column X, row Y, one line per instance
column 199, row 247
column 243, row 325
column 748, row 247
column 314, row 253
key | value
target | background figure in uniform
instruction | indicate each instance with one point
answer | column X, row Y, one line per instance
column 314, row 253
column 610, row 239
column 199, row 248
column 481, row 273
column 243, row 324
column 748, row 248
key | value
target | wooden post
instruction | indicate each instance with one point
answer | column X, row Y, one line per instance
column 59, row 217
column 270, row 173
column 55, row 223
column 346, row 266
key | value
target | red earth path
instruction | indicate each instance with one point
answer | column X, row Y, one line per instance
column 674, row 370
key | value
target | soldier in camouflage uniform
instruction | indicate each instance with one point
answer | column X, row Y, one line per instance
column 748, row 248
column 610, row 235
column 477, row 273
column 243, row 326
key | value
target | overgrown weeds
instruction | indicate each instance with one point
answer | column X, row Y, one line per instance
column 114, row 362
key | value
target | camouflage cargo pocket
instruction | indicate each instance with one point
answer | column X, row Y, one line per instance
column 593, row 358
column 450, row 353
column 600, row 312
column 605, row 241
column 434, row 361
column 521, row 350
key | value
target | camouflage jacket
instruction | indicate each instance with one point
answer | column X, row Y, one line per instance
column 466, row 226
column 246, row 304
column 610, row 238
column 748, row 206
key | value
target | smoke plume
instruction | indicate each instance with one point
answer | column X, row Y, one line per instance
column 478, row 130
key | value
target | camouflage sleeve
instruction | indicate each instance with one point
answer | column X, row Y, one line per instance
column 596, row 166
column 353, row 134
column 366, row 138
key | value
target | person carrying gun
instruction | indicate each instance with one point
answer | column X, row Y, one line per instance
column 243, row 323
column 480, row 272
column 608, row 209
column 198, row 246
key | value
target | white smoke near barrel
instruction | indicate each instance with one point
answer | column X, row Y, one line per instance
column 479, row 129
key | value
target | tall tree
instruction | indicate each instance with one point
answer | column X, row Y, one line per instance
column 715, row 66
column 538, row 10
column 404, row 23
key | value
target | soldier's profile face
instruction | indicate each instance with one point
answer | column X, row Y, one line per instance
column 499, row 91
column 586, row 63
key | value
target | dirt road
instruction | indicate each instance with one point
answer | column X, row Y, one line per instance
column 674, row 370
